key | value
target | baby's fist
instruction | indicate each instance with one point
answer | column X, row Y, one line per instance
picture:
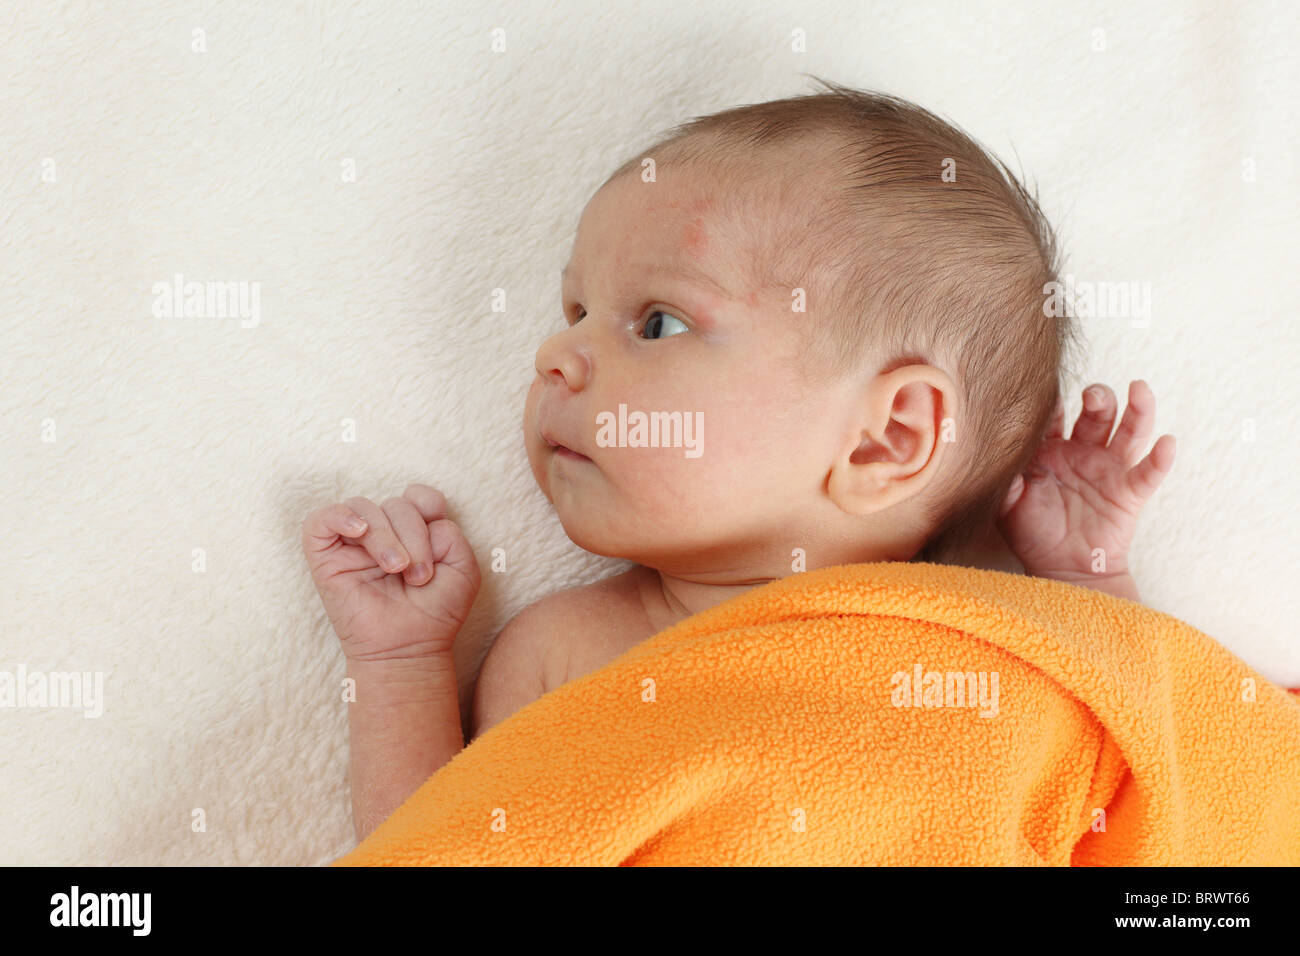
column 396, row 580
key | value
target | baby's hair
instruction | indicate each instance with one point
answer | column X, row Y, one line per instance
column 928, row 249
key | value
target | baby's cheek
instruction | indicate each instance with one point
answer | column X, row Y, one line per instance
column 533, row 444
column 737, row 439
column 662, row 481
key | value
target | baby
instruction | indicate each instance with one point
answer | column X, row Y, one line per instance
column 839, row 300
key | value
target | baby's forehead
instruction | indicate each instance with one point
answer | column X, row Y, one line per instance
column 721, row 215
column 726, row 183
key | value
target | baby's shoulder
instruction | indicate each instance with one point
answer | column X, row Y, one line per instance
column 554, row 640
column 588, row 626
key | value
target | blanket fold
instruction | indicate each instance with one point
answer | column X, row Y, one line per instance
column 886, row 713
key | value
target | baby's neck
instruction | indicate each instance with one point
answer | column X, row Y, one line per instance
column 671, row 597
column 668, row 599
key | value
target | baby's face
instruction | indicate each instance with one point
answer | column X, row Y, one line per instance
column 660, row 318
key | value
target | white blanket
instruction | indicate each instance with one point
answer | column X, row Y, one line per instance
column 374, row 172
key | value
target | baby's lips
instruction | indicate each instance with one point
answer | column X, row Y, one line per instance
column 555, row 442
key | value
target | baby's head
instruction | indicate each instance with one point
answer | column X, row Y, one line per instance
column 837, row 299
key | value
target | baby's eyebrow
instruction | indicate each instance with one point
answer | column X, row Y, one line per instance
column 687, row 272
column 700, row 277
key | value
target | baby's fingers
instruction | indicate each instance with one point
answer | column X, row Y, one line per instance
column 324, row 525
column 379, row 540
column 429, row 501
column 1097, row 417
column 1145, row 478
column 1135, row 427
column 414, row 534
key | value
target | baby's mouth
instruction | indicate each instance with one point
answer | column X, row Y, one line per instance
column 569, row 453
column 563, row 451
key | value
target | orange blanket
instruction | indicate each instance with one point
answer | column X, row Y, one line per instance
column 892, row 713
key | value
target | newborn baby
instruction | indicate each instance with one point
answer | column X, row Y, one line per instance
column 831, row 308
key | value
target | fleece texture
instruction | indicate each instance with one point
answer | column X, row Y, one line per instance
column 403, row 180
column 883, row 714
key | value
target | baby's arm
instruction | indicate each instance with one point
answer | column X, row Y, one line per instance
column 397, row 581
column 404, row 724
column 517, row 667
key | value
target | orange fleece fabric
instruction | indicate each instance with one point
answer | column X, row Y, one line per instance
column 814, row 721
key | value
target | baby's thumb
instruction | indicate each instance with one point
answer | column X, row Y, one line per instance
column 1013, row 495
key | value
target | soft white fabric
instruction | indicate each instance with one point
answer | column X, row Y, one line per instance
column 171, row 435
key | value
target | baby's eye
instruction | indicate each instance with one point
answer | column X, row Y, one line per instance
column 661, row 325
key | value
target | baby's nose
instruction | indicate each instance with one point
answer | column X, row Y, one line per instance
column 563, row 362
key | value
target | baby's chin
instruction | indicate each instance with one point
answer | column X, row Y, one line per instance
column 589, row 530
column 587, row 533
column 649, row 548
column 599, row 515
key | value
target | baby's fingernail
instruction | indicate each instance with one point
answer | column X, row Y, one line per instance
column 1092, row 397
column 419, row 572
column 390, row 560
column 356, row 525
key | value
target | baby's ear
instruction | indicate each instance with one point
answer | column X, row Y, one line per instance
column 896, row 446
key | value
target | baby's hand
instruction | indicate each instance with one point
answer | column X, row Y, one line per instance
column 1083, row 494
column 398, row 585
